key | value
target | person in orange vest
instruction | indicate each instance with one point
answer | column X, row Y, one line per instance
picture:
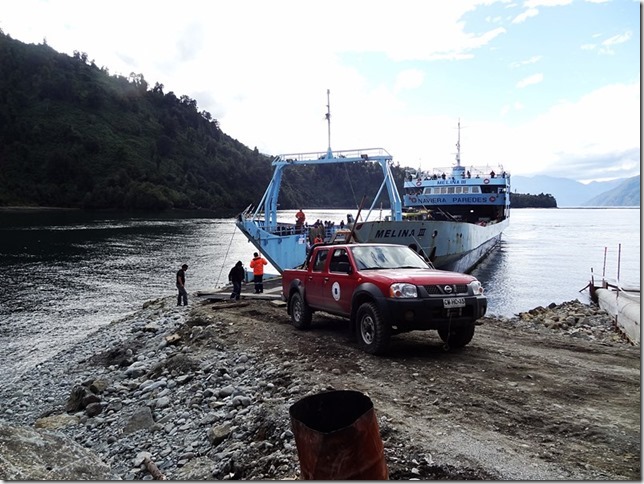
column 299, row 221
column 257, row 264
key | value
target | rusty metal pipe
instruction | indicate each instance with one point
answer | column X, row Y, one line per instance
column 337, row 437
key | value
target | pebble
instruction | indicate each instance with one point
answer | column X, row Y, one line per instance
column 208, row 404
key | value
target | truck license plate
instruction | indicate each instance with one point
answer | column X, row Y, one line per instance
column 454, row 302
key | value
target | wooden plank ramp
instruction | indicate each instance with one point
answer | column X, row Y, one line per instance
column 272, row 291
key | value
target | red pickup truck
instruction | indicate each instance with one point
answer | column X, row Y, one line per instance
column 383, row 289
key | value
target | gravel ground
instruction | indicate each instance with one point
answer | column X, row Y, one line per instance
column 205, row 391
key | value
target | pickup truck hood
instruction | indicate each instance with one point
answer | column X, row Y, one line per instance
column 419, row 277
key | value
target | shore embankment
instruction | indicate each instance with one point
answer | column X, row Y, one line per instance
column 204, row 392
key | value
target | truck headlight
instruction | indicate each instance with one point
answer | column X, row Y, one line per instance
column 402, row 290
column 476, row 287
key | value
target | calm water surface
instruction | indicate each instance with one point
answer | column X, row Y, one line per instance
column 68, row 273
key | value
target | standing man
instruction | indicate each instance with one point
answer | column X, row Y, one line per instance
column 236, row 276
column 299, row 221
column 257, row 264
column 181, row 285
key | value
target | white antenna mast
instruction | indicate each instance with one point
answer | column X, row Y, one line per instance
column 458, row 145
column 328, row 121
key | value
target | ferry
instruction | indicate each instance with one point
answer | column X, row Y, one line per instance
column 452, row 217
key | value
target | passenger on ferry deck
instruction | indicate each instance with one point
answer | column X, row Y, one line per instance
column 299, row 220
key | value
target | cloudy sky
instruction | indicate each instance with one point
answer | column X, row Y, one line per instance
column 540, row 86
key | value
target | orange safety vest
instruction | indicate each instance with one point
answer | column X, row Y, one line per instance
column 257, row 265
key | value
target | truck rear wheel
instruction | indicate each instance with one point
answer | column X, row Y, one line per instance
column 373, row 334
column 457, row 337
column 301, row 313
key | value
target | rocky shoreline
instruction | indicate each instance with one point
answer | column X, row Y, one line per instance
column 167, row 392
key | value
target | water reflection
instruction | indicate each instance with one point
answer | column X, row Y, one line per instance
column 68, row 273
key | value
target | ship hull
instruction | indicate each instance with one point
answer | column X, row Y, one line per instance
column 454, row 246
column 283, row 250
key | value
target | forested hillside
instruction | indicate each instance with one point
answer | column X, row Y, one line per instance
column 72, row 135
column 527, row 200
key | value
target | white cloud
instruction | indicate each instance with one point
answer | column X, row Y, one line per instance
column 409, row 79
column 570, row 139
column 262, row 69
column 532, row 8
column 607, row 45
column 532, row 60
column 618, row 39
column 546, row 3
column 530, row 80
column 531, row 12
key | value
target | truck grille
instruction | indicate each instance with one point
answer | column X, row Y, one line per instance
column 439, row 289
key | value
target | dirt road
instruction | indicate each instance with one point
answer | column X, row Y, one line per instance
column 517, row 403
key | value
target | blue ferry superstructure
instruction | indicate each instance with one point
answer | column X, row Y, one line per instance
column 284, row 244
column 453, row 217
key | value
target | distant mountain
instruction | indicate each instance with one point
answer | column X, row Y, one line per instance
column 567, row 192
column 625, row 194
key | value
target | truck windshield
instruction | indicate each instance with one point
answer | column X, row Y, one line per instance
column 387, row 257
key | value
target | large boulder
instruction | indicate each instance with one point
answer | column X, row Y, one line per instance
column 34, row 455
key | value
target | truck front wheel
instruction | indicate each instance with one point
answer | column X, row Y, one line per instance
column 301, row 313
column 373, row 334
column 457, row 338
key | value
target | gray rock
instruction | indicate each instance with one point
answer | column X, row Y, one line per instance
column 217, row 434
column 56, row 421
column 93, row 409
column 141, row 419
column 35, row 455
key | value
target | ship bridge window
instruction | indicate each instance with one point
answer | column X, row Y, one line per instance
column 427, row 191
column 476, row 189
column 466, row 189
column 450, row 189
column 457, row 190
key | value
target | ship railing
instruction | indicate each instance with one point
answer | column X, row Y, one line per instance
column 287, row 228
column 281, row 229
column 475, row 172
column 364, row 154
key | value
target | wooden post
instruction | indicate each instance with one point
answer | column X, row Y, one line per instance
column 153, row 470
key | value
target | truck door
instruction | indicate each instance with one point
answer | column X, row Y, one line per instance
column 317, row 278
column 338, row 290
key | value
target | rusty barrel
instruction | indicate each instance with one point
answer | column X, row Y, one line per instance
column 337, row 437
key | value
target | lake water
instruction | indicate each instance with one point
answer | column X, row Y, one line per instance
column 67, row 273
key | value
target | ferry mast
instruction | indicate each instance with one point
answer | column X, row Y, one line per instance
column 458, row 145
column 329, row 153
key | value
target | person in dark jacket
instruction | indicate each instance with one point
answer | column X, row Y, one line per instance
column 236, row 276
column 181, row 286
